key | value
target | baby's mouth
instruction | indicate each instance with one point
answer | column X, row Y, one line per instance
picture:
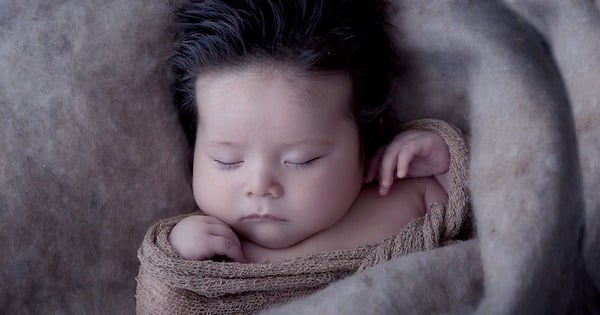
column 257, row 217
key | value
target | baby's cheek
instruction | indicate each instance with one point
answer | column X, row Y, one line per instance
column 332, row 200
column 208, row 193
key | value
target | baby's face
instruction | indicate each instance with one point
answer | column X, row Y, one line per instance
column 277, row 154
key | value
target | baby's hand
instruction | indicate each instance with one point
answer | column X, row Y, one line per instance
column 412, row 153
column 200, row 237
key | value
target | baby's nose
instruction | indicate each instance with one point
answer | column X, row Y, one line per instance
column 264, row 185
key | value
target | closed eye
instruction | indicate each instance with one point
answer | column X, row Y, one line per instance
column 228, row 165
column 303, row 164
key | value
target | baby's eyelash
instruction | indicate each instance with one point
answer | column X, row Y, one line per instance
column 228, row 165
column 304, row 164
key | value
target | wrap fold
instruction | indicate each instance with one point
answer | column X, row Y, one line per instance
column 168, row 284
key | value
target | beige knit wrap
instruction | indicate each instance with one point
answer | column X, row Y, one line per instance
column 167, row 284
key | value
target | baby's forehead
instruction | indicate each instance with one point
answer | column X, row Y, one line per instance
column 272, row 104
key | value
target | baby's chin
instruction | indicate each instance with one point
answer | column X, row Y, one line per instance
column 274, row 239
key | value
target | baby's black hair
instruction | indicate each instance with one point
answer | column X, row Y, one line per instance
column 350, row 36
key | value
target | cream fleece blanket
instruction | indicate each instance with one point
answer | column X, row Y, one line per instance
column 92, row 154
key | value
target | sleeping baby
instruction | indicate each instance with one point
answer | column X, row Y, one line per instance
column 286, row 105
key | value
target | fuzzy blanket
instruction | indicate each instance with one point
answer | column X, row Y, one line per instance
column 91, row 154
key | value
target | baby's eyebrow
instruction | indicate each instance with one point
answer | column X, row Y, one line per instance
column 308, row 142
column 293, row 143
column 223, row 143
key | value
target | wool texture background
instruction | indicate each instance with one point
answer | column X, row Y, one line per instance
column 91, row 154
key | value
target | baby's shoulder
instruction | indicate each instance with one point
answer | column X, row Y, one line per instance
column 379, row 217
column 404, row 195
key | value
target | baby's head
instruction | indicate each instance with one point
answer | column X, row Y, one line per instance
column 312, row 36
column 283, row 101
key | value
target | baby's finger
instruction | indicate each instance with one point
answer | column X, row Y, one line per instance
column 386, row 170
column 224, row 230
column 374, row 165
column 227, row 247
column 405, row 156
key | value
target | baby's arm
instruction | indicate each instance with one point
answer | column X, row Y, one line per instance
column 412, row 153
column 200, row 237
